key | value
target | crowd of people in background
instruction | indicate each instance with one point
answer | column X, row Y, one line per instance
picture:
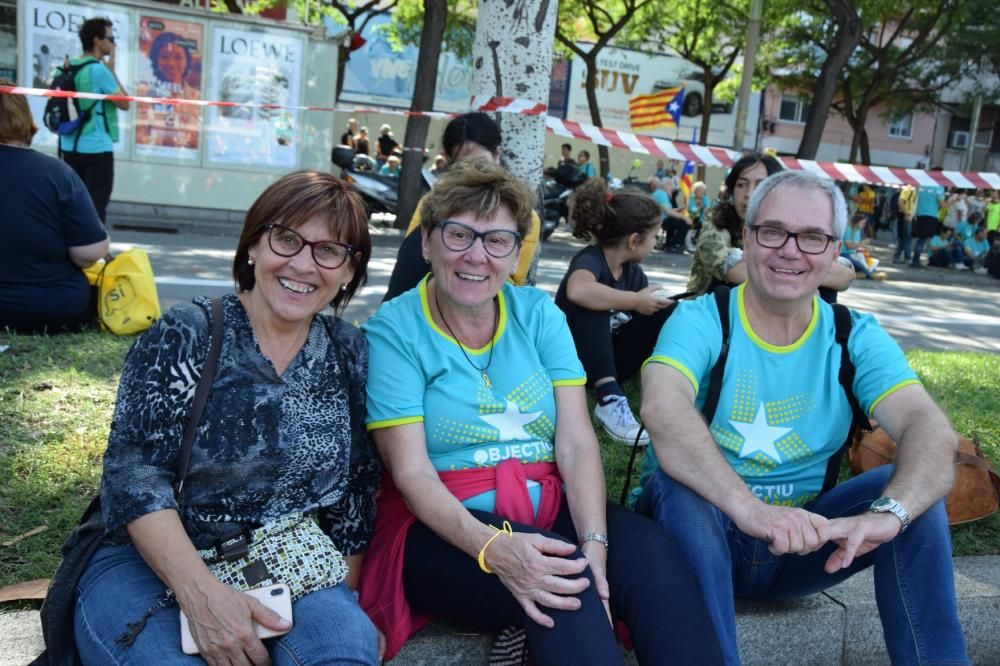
column 927, row 225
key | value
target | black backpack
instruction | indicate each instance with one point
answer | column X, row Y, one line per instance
column 62, row 115
column 842, row 331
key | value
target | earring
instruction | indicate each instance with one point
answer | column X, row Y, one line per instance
column 426, row 260
column 343, row 287
column 250, row 261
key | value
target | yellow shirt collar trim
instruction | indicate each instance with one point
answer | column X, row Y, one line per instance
column 763, row 344
column 501, row 322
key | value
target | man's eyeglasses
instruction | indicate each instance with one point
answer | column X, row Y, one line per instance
column 498, row 243
column 285, row 242
column 110, row 38
column 808, row 242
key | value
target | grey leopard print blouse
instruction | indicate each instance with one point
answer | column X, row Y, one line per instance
column 266, row 446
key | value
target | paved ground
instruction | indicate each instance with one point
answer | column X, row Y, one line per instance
column 929, row 308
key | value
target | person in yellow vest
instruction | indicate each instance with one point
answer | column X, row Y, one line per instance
column 89, row 151
column 906, row 206
column 468, row 136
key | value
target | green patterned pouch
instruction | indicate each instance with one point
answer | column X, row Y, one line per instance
column 292, row 550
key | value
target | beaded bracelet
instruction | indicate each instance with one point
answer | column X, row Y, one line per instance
column 506, row 529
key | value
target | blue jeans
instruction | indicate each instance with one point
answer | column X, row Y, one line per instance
column 903, row 242
column 118, row 587
column 914, row 581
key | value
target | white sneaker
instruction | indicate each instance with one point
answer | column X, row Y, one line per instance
column 961, row 267
column 617, row 419
column 981, row 270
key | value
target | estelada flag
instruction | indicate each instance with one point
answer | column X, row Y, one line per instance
column 662, row 109
column 687, row 180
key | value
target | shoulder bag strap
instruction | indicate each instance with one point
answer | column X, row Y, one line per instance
column 200, row 395
column 859, row 420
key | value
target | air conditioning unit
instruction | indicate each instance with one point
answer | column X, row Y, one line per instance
column 959, row 139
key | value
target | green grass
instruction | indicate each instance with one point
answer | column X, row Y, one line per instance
column 965, row 384
column 57, row 395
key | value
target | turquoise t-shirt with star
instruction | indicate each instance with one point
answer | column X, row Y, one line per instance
column 417, row 373
column 782, row 411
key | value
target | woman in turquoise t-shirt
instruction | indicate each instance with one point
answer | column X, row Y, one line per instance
column 854, row 241
column 584, row 165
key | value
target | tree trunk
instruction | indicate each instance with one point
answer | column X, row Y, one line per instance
column 342, row 58
column 435, row 14
column 590, row 89
column 512, row 56
column 706, row 106
column 866, row 153
column 846, row 40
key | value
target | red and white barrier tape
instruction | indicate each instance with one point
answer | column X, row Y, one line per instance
column 674, row 150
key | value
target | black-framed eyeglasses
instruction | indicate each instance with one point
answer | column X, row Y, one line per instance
column 286, row 242
column 808, row 242
column 110, row 38
column 459, row 237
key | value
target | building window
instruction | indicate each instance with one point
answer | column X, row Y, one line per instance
column 793, row 109
column 902, row 128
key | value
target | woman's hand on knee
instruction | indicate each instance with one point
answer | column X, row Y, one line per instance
column 222, row 620
column 535, row 569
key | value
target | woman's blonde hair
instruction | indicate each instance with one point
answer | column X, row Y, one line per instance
column 479, row 187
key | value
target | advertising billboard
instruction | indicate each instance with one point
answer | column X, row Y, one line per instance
column 170, row 63
column 624, row 74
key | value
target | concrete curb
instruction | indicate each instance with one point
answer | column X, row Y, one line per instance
column 839, row 626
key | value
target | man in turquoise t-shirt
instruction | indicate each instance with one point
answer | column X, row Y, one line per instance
column 89, row 151
column 747, row 494
column 976, row 249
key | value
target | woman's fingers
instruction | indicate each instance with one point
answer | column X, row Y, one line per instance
column 536, row 615
column 561, row 585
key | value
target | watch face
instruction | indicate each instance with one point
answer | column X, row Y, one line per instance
column 881, row 504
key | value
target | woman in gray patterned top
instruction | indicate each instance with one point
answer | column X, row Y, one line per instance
column 282, row 433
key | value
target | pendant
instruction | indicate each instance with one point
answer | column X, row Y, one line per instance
column 486, row 380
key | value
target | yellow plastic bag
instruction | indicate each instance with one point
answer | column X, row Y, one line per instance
column 127, row 302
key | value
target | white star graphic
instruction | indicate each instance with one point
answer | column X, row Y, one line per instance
column 759, row 436
column 673, row 107
column 511, row 422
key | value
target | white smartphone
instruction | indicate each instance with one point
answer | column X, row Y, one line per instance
column 276, row 597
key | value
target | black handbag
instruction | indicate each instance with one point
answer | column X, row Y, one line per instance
column 60, row 600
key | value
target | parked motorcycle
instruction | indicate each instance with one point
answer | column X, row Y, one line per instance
column 380, row 193
column 557, row 185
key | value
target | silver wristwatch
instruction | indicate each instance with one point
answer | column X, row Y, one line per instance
column 889, row 505
column 594, row 536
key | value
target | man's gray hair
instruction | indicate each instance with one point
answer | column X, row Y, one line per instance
column 801, row 180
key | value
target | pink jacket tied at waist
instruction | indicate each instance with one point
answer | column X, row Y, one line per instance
column 381, row 584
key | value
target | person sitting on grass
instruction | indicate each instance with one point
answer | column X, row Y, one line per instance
column 51, row 232
column 752, row 494
column 612, row 311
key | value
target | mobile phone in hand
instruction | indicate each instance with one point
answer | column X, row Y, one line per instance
column 276, row 597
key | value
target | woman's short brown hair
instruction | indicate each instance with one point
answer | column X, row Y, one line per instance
column 294, row 200
column 16, row 124
column 479, row 187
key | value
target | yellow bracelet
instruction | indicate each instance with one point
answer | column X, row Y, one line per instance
column 482, row 551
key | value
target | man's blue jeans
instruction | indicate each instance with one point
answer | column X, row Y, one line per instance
column 118, row 587
column 914, row 581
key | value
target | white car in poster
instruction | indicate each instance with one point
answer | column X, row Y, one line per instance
column 694, row 93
